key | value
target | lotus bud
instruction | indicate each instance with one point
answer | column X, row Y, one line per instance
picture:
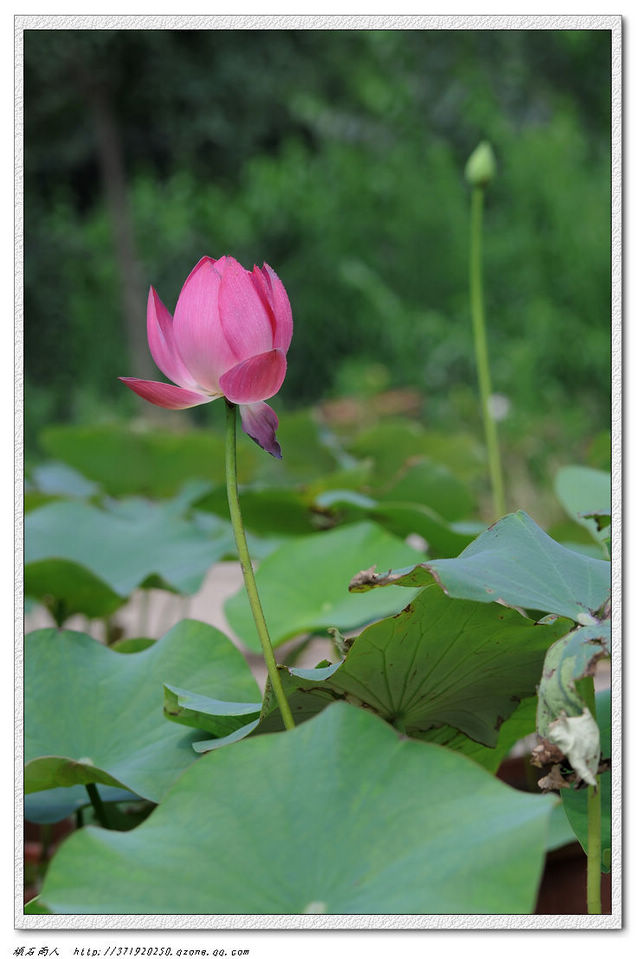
column 481, row 166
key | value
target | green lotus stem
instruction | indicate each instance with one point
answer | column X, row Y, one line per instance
column 98, row 805
column 246, row 565
column 143, row 627
column 481, row 349
column 594, row 907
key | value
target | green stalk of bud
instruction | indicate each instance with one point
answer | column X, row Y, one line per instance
column 481, row 166
column 480, row 170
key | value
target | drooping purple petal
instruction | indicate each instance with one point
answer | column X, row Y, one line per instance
column 255, row 379
column 165, row 394
column 198, row 334
column 162, row 344
column 244, row 317
column 260, row 423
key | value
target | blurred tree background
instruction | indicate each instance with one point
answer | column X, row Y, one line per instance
column 338, row 157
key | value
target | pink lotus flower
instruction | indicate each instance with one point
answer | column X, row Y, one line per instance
column 229, row 337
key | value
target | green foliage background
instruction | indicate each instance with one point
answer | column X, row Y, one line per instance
column 338, row 157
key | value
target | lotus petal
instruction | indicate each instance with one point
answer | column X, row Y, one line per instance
column 165, row 394
column 255, row 379
column 243, row 315
column 198, row 334
column 162, row 344
column 282, row 311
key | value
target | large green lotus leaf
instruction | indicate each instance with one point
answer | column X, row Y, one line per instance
column 148, row 462
column 462, row 453
column 401, row 519
column 46, row 772
column 132, row 507
column 434, row 486
column 575, row 800
column 585, row 492
column 33, row 499
column 441, row 662
column 202, row 712
column 303, row 585
column 517, row 563
column 351, row 477
column 389, row 444
column 405, row 518
column 394, row 443
column 132, row 644
column 123, row 548
column 281, row 511
column 574, row 536
column 66, row 588
column 339, row 816
column 520, row 724
column 349, row 503
column 599, row 451
column 94, row 715
column 52, row 805
column 59, row 479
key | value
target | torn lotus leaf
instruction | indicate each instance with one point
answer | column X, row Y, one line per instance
column 364, row 579
column 571, row 658
column 341, row 643
column 554, row 780
column 579, row 738
column 545, row 753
